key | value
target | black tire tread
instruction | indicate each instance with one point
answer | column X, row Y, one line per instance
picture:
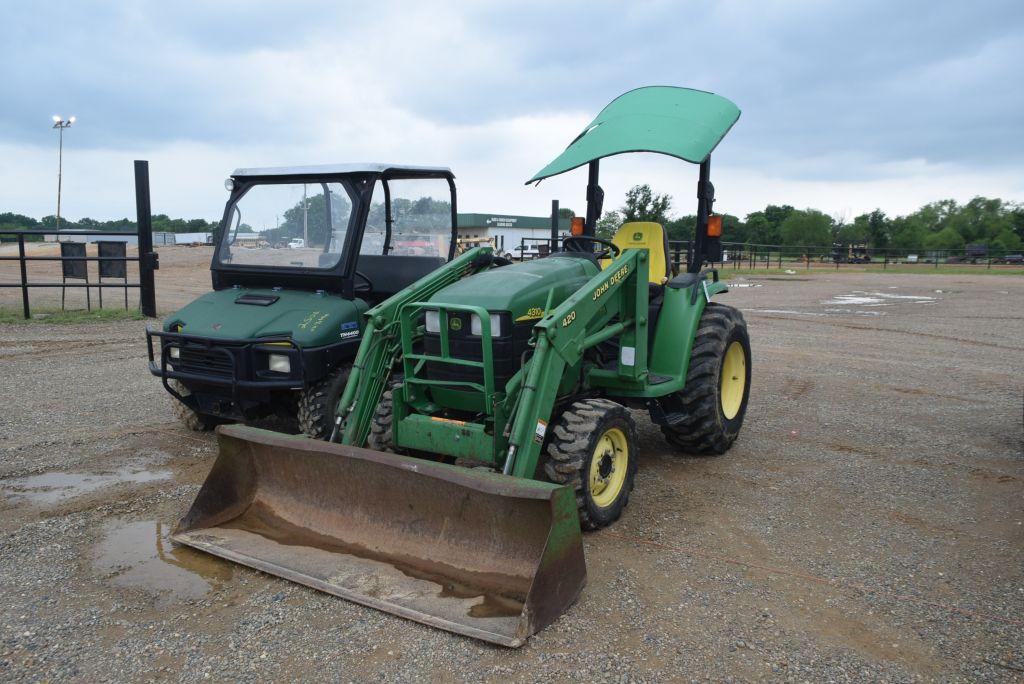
column 569, row 446
column 318, row 402
column 381, row 437
column 699, row 431
column 196, row 422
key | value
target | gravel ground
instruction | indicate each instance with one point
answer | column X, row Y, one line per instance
column 868, row 524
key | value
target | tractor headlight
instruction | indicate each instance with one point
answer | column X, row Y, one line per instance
column 476, row 327
column 174, row 352
column 433, row 321
column 279, row 363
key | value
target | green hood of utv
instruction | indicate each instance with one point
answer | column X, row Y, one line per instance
column 310, row 319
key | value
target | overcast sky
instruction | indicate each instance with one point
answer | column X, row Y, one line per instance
column 846, row 105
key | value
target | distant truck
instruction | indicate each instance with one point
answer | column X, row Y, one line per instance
column 296, row 243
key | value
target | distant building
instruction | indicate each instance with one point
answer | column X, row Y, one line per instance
column 510, row 232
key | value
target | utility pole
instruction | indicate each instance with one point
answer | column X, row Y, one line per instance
column 60, row 124
column 305, row 218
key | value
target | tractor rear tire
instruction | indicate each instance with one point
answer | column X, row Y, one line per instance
column 197, row 422
column 319, row 401
column 714, row 401
column 592, row 449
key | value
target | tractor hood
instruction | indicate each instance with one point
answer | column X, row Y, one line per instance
column 310, row 319
column 521, row 288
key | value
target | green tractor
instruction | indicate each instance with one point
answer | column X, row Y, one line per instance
column 278, row 333
column 495, row 400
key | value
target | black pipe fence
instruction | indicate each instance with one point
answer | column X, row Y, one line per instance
column 748, row 256
column 147, row 259
column 755, row 256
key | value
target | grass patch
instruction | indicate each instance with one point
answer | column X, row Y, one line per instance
column 56, row 316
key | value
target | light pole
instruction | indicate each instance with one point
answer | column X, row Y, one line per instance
column 60, row 124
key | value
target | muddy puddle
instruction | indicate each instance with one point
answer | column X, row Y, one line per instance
column 50, row 488
column 140, row 554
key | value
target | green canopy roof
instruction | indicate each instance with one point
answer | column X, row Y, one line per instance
column 680, row 122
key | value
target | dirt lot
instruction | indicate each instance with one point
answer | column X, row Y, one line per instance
column 868, row 524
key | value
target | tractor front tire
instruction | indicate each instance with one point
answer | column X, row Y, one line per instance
column 196, row 422
column 592, row 449
column 319, row 401
column 709, row 410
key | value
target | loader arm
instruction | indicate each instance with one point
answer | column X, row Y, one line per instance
column 381, row 344
column 582, row 321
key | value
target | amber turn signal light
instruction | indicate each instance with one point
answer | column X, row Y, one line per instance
column 577, row 225
column 714, row 226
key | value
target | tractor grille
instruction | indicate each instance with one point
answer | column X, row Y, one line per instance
column 507, row 351
column 214, row 362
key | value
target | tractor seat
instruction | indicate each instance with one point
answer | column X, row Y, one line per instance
column 650, row 236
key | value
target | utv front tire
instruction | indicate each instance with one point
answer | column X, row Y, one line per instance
column 381, row 436
column 319, row 401
column 196, row 422
column 709, row 410
column 593, row 450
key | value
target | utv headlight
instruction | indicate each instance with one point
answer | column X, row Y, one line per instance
column 433, row 321
column 279, row 363
column 174, row 352
column 476, row 328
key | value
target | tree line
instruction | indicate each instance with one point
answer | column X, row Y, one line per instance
column 942, row 225
column 161, row 223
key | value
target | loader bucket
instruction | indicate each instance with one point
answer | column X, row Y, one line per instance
column 473, row 552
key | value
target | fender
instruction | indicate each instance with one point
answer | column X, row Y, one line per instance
column 685, row 297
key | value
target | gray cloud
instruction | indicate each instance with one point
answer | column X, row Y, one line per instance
column 830, row 90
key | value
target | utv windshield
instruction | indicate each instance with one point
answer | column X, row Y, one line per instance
column 288, row 224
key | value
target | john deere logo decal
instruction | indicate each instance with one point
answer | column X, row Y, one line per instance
column 638, row 237
column 455, row 323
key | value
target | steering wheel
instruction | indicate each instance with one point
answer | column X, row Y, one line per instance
column 612, row 248
column 367, row 286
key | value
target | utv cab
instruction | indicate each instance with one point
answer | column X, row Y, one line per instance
column 300, row 254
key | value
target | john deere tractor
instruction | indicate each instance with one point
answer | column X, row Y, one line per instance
column 495, row 401
column 303, row 253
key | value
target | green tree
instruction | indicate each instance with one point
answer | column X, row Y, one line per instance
column 1007, row 241
column 947, row 238
column 681, row 228
column 644, row 205
column 807, row 227
column 907, row 233
column 762, row 227
column 566, row 212
column 608, row 224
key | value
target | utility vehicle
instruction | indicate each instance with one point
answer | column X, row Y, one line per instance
column 278, row 333
column 495, row 401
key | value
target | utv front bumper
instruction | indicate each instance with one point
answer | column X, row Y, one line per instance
column 229, row 377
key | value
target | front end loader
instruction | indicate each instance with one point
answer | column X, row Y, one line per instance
column 485, row 422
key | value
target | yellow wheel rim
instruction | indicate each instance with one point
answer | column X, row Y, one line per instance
column 608, row 466
column 733, row 380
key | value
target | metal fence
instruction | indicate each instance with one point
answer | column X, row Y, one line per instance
column 756, row 256
column 111, row 263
